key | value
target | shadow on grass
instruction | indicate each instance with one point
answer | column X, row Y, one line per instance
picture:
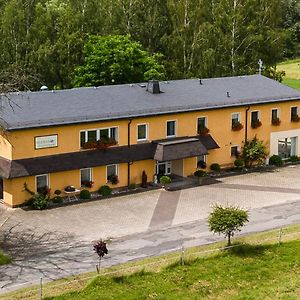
column 127, row 278
column 247, row 250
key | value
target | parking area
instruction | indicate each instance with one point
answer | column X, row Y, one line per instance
column 57, row 242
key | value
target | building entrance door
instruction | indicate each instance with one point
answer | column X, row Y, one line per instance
column 287, row 147
column 163, row 168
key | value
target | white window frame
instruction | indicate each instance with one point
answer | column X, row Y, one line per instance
column 278, row 113
column 98, row 133
column 175, row 128
column 91, row 175
column 258, row 115
column 117, row 170
column 137, row 132
column 239, row 116
column 238, row 149
column 205, row 123
column 291, row 110
column 48, row 180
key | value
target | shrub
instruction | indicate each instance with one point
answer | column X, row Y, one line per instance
column 57, row 192
column 39, row 201
column 215, row 167
column 254, row 152
column 200, row 173
column 294, row 158
column 276, row 160
column 105, row 190
column 132, row 186
column 57, row 199
column 239, row 163
column 85, row 194
column 165, row 180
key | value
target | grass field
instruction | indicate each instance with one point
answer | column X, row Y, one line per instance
column 4, row 259
column 246, row 272
column 292, row 73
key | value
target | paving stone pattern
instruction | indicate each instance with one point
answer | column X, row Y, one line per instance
column 58, row 242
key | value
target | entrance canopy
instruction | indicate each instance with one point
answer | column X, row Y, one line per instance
column 180, row 148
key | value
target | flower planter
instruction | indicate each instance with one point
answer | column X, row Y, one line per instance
column 276, row 122
column 256, row 124
column 237, row 126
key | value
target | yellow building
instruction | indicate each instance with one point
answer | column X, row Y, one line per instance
column 61, row 138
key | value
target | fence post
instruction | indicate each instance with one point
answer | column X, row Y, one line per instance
column 182, row 256
column 41, row 288
column 280, row 236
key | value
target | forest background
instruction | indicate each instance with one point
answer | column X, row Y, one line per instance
column 45, row 41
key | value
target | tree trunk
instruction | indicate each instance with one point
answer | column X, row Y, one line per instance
column 229, row 239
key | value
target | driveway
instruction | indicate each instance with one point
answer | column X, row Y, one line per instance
column 57, row 242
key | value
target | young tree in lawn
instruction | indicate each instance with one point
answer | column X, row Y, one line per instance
column 227, row 220
column 101, row 249
column 254, row 151
column 116, row 60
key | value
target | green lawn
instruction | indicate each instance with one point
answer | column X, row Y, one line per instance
column 292, row 73
column 249, row 272
column 4, row 259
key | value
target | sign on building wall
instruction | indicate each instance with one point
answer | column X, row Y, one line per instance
column 47, row 141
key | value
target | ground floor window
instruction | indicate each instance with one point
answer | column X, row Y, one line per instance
column 287, row 147
column 112, row 174
column 42, row 183
column 86, row 177
column 163, row 168
column 201, row 161
column 234, row 151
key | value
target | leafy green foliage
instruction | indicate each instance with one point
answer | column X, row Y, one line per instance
column 57, row 199
column 85, row 194
column 254, row 151
column 114, row 60
column 164, row 180
column 227, row 220
column 276, row 160
column 39, row 201
column 200, row 173
column 4, row 259
column 105, row 190
column 239, row 163
column 215, row 167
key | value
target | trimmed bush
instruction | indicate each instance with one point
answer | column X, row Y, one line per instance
column 85, row 194
column 215, row 167
column 276, row 160
column 105, row 190
column 57, row 192
column 200, row 173
column 239, row 163
column 57, row 199
column 38, row 201
column 294, row 158
column 165, row 180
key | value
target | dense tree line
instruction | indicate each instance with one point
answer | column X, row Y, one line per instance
column 197, row 38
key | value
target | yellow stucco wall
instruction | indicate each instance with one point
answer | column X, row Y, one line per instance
column 5, row 146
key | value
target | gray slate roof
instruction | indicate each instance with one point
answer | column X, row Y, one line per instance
column 79, row 105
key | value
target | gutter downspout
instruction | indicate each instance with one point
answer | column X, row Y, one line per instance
column 128, row 144
column 246, row 124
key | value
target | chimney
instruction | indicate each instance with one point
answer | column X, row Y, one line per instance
column 228, row 94
column 153, row 87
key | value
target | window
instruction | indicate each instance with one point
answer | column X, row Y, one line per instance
column 201, row 123
column 171, row 128
column 294, row 113
column 97, row 134
column 201, row 161
column 86, row 177
column 112, row 174
column 142, row 131
column 254, row 116
column 235, row 118
column 275, row 114
column 234, row 151
column 42, row 183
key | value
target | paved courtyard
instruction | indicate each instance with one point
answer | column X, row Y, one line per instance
column 57, row 242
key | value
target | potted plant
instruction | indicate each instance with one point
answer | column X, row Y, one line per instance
column 236, row 126
column 276, row 121
column 164, row 180
column 200, row 174
column 256, row 124
column 203, row 130
column 295, row 118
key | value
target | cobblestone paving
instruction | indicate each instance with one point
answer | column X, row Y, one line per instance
column 58, row 242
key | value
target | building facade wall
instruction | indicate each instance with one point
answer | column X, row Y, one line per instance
column 20, row 144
